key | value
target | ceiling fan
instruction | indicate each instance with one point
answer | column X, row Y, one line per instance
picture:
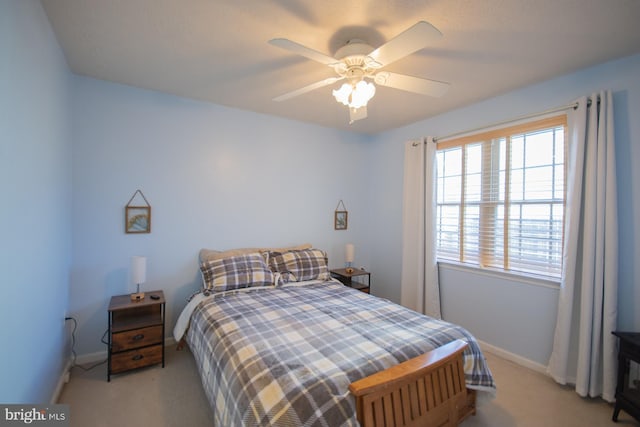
column 356, row 62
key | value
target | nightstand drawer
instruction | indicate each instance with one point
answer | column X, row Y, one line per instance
column 136, row 338
column 629, row 350
column 132, row 359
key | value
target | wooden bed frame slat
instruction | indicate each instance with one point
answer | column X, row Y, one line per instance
column 404, row 394
column 428, row 390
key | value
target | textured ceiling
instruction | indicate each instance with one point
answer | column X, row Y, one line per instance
column 217, row 50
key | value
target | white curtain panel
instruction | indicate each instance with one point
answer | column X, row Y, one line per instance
column 584, row 350
column 420, row 290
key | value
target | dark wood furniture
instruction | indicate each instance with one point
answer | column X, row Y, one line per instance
column 136, row 332
column 347, row 278
column 428, row 391
column 627, row 397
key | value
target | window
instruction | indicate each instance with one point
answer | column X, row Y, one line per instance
column 500, row 198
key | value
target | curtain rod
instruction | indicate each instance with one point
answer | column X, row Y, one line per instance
column 573, row 105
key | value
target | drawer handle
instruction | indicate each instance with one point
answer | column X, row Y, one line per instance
column 137, row 357
column 138, row 337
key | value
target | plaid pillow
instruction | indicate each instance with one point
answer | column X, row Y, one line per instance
column 236, row 272
column 300, row 265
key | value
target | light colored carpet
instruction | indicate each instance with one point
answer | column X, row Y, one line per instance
column 173, row 396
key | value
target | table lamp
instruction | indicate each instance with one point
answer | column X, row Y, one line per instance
column 349, row 254
column 138, row 275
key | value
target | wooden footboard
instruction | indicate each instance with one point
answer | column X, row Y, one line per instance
column 428, row 390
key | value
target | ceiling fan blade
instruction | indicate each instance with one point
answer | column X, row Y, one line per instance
column 308, row 88
column 301, row 50
column 357, row 114
column 412, row 84
column 411, row 40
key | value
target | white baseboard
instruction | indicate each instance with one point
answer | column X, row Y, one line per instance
column 519, row 360
column 85, row 359
column 64, row 378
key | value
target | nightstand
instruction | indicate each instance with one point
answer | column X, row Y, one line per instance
column 627, row 393
column 136, row 332
column 346, row 278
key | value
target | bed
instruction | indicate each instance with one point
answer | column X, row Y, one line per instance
column 278, row 342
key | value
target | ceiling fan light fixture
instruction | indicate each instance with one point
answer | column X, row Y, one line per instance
column 356, row 61
column 355, row 96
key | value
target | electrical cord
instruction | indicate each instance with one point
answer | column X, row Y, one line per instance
column 73, row 347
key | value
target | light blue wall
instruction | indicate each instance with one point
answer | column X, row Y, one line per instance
column 499, row 311
column 215, row 177
column 35, row 216
column 218, row 177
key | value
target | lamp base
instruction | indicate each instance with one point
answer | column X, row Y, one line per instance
column 138, row 296
column 349, row 270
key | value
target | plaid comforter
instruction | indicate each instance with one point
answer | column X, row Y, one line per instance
column 285, row 356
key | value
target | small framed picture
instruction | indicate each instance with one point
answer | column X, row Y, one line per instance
column 340, row 220
column 138, row 219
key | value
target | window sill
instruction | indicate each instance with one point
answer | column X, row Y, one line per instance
column 528, row 279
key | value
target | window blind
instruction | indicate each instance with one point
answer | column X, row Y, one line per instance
column 500, row 197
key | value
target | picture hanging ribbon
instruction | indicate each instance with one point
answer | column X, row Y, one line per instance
column 134, row 195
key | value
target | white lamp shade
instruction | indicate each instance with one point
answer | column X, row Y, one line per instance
column 349, row 252
column 138, row 269
column 362, row 93
column 342, row 94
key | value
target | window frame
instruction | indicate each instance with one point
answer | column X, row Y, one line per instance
column 490, row 197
